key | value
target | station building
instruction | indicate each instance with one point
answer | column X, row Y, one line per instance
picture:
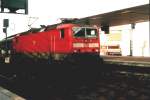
column 122, row 40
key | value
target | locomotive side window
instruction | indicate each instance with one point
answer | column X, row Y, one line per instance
column 62, row 33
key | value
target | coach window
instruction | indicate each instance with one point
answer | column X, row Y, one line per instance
column 62, row 33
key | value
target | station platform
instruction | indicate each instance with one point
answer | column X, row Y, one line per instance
column 7, row 95
column 127, row 60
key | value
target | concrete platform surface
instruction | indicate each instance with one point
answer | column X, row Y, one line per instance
column 127, row 60
column 7, row 95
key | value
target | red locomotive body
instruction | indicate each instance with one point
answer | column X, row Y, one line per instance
column 58, row 41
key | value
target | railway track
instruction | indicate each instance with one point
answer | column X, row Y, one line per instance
column 77, row 82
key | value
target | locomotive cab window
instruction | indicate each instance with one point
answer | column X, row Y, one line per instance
column 62, row 33
column 91, row 32
column 85, row 32
column 79, row 32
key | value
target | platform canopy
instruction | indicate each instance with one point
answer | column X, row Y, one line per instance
column 120, row 17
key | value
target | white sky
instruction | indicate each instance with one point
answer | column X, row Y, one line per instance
column 78, row 8
column 49, row 11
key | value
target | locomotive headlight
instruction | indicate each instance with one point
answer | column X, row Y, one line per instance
column 75, row 51
column 3, row 52
column 96, row 50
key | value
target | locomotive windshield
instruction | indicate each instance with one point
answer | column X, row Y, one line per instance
column 84, row 32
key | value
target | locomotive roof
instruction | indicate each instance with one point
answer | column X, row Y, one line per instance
column 49, row 27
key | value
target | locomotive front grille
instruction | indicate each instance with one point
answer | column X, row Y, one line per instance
column 78, row 45
column 82, row 45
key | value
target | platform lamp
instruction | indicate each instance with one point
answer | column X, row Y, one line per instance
column 131, row 42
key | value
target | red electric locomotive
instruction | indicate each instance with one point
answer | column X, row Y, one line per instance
column 58, row 41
